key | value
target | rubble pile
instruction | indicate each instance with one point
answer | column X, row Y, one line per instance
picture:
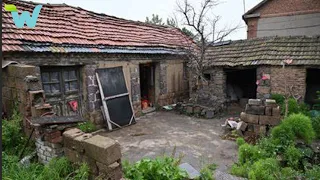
column 258, row 117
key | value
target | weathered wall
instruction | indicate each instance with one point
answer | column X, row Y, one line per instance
column 15, row 87
column 283, row 17
column 291, row 76
column 211, row 93
column 170, row 84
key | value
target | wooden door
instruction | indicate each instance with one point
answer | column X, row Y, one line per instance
column 62, row 86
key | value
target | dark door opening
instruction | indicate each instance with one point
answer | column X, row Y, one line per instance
column 313, row 85
column 241, row 84
column 147, row 85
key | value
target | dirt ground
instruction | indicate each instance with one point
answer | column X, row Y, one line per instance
column 159, row 132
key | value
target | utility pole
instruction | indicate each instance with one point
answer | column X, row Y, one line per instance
column 244, row 6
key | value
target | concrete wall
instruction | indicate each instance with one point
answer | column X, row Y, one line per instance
column 297, row 25
column 285, row 18
column 170, row 84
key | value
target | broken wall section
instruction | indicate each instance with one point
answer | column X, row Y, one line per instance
column 102, row 154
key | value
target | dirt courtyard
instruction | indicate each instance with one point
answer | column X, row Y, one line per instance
column 159, row 132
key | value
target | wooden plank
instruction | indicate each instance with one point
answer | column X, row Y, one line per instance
column 116, row 96
column 105, row 108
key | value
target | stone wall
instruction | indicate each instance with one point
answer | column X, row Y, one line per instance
column 211, row 93
column 102, row 154
column 130, row 62
column 17, row 81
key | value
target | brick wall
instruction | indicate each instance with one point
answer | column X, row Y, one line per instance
column 292, row 76
column 278, row 8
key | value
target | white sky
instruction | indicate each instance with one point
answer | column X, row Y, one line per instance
column 231, row 11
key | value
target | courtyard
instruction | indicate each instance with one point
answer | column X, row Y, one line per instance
column 161, row 132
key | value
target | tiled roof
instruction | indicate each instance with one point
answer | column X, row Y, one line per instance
column 63, row 28
column 265, row 51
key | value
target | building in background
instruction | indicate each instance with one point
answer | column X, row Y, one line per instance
column 283, row 18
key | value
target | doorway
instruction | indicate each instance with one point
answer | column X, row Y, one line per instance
column 147, row 86
column 313, row 85
column 241, row 86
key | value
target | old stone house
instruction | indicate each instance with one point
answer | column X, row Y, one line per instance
column 283, row 18
column 69, row 43
column 279, row 31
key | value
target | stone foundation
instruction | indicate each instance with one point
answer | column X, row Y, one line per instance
column 102, row 154
column 46, row 150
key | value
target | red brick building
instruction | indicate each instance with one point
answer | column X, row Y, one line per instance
column 283, row 18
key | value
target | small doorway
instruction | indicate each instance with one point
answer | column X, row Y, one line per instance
column 241, row 86
column 313, row 85
column 147, row 86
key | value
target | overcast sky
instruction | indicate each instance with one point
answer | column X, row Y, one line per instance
column 231, row 11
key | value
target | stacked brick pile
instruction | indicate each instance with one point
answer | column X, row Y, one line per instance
column 102, row 154
column 49, row 143
column 259, row 117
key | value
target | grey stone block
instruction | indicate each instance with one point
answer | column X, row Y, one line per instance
column 255, row 102
column 255, row 109
column 209, row 114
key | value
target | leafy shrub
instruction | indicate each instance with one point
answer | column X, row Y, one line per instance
column 164, row 168
column 269, row 146
column 282, row 136
column 264, row 169
column 240, row 141
column 87, row 127
column 316, row 126
column 12, row 135
column 240, row 170
column 293, row 156
column 313, row 174
column 279, row 98
column 249, row 154
column 206, row 173
column 301, row 127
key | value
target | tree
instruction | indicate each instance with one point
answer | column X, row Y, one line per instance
column 200, row 22
column 155, row 20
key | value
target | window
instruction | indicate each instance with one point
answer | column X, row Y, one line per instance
column 207, row 76
column 51, row 82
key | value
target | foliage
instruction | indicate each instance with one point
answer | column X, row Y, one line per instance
column 57, row 169
column 293, row 156
column 264, row 169
column 87, row 127
column 313, row 174
column 13, row 138
column 164, row 168
column 240, row 141
column 249, row 153
column 155, row 19
column 206, row 173
column 294, row 107
column 277, row 156
column 317, row 102
column 301, row 127
column 279, row 98
column 316, row 126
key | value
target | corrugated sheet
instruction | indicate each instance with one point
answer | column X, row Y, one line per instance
column 266, row 51
column 61, row 25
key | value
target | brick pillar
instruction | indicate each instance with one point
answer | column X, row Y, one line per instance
column 264, row 84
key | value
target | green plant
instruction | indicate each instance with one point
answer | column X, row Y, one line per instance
column 264, row 169
column 249, row 154
column 240, row 170
column 164, row 168
column 293, row 156
column 269, row 146
column 206, row 173
column 87, row 127
column 301, row 127
column 316, row 126
column 313, row 174
column 279, row 98
column 13, row 138
column 240, row 141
